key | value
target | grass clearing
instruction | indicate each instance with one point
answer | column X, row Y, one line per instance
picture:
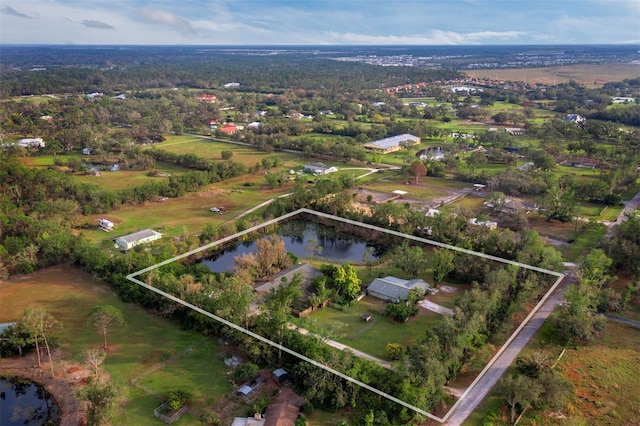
column 190, row 213
column 69, row 295
column 212, row 150
column 372, row 337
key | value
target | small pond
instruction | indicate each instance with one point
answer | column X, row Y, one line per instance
column 24, row 402
column 431, row 153
column 336, row 246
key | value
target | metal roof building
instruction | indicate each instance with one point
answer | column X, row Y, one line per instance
column 395, row 289
column 127, row 242
column 391, row 144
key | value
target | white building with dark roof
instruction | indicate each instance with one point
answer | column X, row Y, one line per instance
column 391, row 144
column 145, row 236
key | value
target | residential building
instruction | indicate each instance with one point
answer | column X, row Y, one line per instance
column 31, row 143
column 319, row 169
column 229, row 129
column 576, row 118
column 145, row 236
column 395, row 289
column 486, row 223
column 391, row 144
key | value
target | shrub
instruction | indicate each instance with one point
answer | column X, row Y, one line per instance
column 245, row 372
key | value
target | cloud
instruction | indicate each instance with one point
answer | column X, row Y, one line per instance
column 167, row 19
column 11, row 11
column 435, row 37
column 90, row 23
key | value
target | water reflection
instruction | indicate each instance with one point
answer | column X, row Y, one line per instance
column 297, row 234
column 24, row 402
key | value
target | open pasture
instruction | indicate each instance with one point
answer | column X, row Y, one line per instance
column 212, row 150
column 587, row 75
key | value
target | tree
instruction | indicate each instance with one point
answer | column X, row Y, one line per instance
column 101, row 399
column 594, row 269
column 346, row 279
column 519, row 392
column 38, row 323
column 417, row 169
column 410, row 259
column 313, row 248
column 105, row 317
column 576, row 321
column 226, row 154
column 94, row 358
column 442, row 264
column 558, row 204
column 368, row 258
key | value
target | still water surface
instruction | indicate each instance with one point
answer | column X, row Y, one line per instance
column 296, row 235
column 23, row 402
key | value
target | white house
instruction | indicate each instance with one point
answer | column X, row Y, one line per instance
column 87, row 151
column 319, row 168
column 31, row 142
column 145, row 236
column 576, row 118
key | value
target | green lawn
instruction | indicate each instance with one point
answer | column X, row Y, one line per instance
column 69, row 294
column 213, row 150
column 190, row 213
column 372, row 337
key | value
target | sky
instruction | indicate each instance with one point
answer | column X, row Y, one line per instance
column 319, row 22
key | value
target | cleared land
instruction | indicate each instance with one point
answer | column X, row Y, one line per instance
column 588, row 75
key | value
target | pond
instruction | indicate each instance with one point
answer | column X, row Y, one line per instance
column 431, row 153
column 297, row 234
column 24, row 402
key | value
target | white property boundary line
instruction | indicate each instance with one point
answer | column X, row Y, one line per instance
column 560, row 277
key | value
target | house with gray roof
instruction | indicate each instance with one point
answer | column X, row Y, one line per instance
column 145, row 236
column 395, row 289
column 391, row 144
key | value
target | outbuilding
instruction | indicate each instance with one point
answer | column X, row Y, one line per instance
column 391, row 144
column 145, row 236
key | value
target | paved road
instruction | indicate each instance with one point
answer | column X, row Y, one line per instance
column 471, row 400
column 629, row 207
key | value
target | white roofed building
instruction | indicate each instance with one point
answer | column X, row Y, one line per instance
column 145, row 236
column 391, row 144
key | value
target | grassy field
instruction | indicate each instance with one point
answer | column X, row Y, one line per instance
column 587, row 75
column 70, row 294
column 190, row 213
column 213, row 150
column 372, row 337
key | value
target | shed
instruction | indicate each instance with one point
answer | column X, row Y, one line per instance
column 281, row 376
column 395, row 289
column 145, row 236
